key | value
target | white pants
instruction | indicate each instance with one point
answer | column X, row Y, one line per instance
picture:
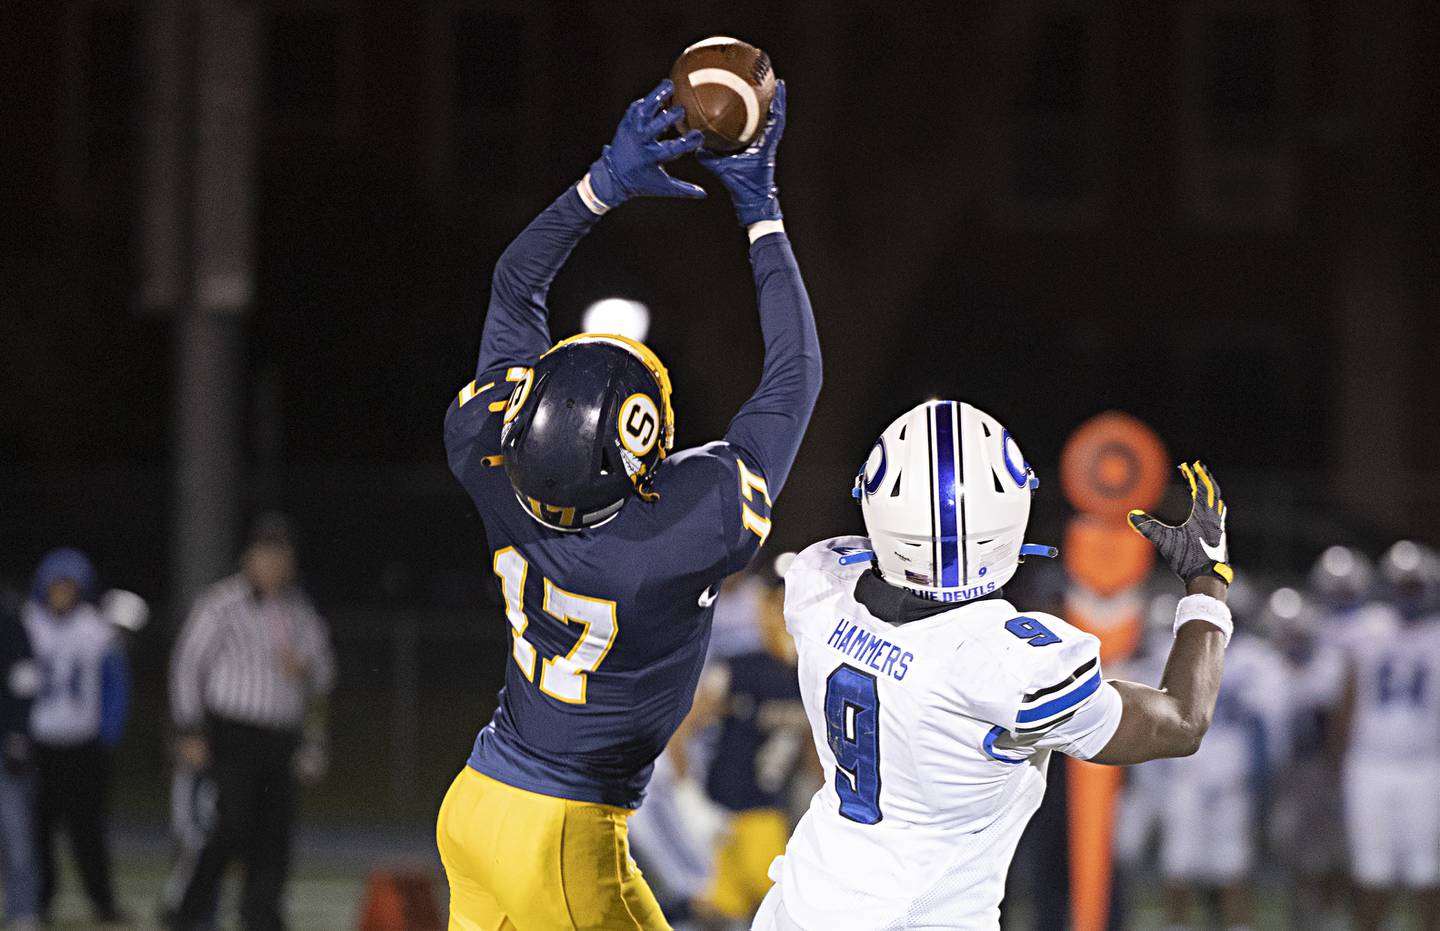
column 772, row 915
column 1392, row 816
column 1206, row 834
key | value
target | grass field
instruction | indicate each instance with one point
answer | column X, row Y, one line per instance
column 326, row 889
column 328, row 885
column 332, row 866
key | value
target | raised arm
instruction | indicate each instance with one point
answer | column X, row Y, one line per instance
column 516, row 328
column 770, row 425
column 1171, row 720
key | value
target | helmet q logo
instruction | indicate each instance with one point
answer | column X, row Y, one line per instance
column 874, row 472
column 639, row 424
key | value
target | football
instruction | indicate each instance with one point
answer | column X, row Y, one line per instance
column 725, row 86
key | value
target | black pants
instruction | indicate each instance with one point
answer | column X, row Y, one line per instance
column 73, row 790
column 255, row 812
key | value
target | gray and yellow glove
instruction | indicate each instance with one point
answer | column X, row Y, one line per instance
column 1198, row 547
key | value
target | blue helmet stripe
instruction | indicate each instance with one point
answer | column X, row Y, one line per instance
column 945, row 494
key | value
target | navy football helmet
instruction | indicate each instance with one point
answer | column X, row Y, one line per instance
column 585, row 429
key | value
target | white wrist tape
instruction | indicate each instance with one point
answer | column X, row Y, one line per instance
column 765, row 228
column 1207, row 609
column 587, row 194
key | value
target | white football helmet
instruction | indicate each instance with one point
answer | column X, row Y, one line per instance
column 1412, row 574
column 1410, row 563
column 945, row 495
column 1341, row 577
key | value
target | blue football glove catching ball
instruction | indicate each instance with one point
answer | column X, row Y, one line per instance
column 749, row 175
column 632, row 165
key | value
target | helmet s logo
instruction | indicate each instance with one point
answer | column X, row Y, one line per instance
column 523, row 378
column 639, row 424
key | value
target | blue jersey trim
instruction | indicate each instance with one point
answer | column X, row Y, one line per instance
column 989, row 746
column 1057, row 705
column 945, row 494
column 114, row 696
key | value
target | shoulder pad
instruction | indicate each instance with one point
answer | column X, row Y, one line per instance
column 825, row 557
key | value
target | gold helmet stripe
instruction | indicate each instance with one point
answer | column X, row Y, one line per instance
column 650, row 361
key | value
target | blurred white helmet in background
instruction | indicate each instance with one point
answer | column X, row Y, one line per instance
column 1412, row 575
column 1409, row 563
column 1291, row 622
column 945, row 495
column 1288, row 613
column 1341, row 576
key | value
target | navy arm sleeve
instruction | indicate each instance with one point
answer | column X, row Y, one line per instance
column 770, row 425
column 18, row 677
column 517, row 330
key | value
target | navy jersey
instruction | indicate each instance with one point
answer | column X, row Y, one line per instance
column 609, row 626
column 763, row 731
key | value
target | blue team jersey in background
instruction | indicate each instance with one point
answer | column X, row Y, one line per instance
column 610, row 625
column 763, row 732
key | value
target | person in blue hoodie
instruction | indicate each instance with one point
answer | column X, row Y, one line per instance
column 76, row 720
column 19, row 680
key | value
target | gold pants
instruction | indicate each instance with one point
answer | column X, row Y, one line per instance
column 521, row 861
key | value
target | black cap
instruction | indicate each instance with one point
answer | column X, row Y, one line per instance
column 272, row 528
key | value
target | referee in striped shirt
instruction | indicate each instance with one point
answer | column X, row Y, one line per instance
column 251, row 661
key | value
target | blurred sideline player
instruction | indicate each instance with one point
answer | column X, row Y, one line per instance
column 1391, row 718
column 673, row 834
column 935, row 704
column 610, row 599
column 1339, row 586
column 1209, row 817
column 1146, row 791
column 1305, row 818
column 1340, row 582
column 753, row 700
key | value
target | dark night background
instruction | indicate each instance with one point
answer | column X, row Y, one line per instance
column 1213, row 215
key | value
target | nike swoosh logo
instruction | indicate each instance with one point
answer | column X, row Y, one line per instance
column 1218, row 551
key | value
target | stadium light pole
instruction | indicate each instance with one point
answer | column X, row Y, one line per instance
column 199, row 180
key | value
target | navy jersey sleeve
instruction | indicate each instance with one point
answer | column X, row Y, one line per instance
column 517, row 327
column 472, row 434
column 770, row 425
column 716, row 494
column 517, row 330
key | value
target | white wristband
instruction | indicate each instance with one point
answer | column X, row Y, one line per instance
column 765, row 228
column 587, row 195
column 1207, row 609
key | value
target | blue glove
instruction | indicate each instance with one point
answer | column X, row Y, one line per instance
column 631, row 165
column 750, row 175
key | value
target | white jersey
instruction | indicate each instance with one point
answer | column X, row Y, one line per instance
column 1396, row 666
column 1207, row 819
column 70, row 653
column 1314, row 684
column 934, row 736
column 1348, row 628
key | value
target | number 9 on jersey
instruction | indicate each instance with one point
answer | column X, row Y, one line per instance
column 852, row 729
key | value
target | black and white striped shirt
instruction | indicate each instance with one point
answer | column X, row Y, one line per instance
column 249, row 660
